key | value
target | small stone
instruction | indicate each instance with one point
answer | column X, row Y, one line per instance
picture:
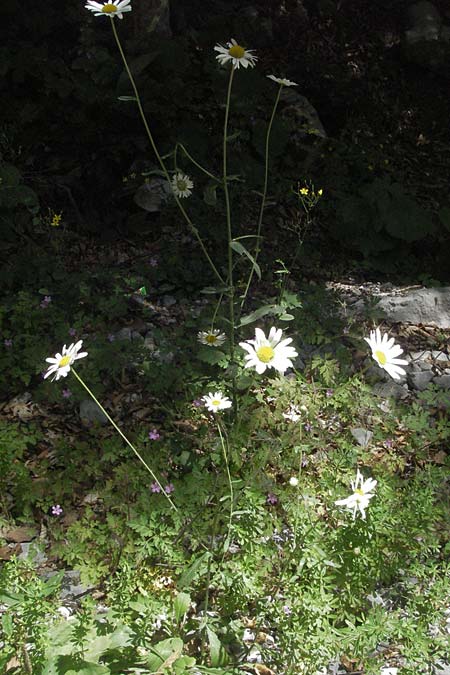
column 168, row 300
column 390, row 390
column 71, row 586
column 124, row 334
column 32, row 552
column 362, row 436
column 441, row 668
column 90, row 412
column 442, row 382
column 149, row 343
column 20, row 534
column 420, row 380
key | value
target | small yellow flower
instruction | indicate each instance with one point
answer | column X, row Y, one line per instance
column 304, row 191
column 320, row 192
column 56, row 220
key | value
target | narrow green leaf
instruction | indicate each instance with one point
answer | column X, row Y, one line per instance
column 127, row 98
column 209, row 194
column 217, row 653
column 181, row 605
column 258, row 314
column 239, row 248
column 195, row 570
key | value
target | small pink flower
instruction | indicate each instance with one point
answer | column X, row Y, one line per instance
column 56, row 510
column 72, row 331
column 153, row 262
column 46, row 301
column 271, row 499
column 66, row 393
column 198, row 403
column 8, row 342
column 329, row 393
column 154, row 487
column 154, row 435
column 169, row 489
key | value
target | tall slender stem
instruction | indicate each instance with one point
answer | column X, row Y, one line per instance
column 229, row 236
column 158, row 156
column 263, row 201
column 228, row 213
column 125, row 439
column 230, row 483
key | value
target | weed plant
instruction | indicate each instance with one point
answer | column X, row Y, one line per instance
column 239, row 541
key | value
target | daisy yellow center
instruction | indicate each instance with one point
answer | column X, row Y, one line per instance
column 211, row 339
column 381, row 358
column 265, row 354
column 236, row 51
column 109, row 8
column 181, row 184
column 359, row 492
column 64, row 361
column 215, row 402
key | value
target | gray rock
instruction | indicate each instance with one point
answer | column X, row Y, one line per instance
column 149, row 343
column 420, row 380
column 71, row 586
column 441, row 668
column 90, row 412
column 430, row 306
column 442, row 381
column 30, row 550
column 390, row 390
column 362, row 436
column 168, row 300
column 123, row 334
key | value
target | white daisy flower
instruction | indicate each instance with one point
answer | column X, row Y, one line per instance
column 293, row 480
column 293, row 414
column 182, row 185
column 362, row 494
column 281, row 80
column 111, row 9
column 61, row 362
column 239, row 56
column 270, row 352
column 211, row 338
column 217, row 401
column 385, row 353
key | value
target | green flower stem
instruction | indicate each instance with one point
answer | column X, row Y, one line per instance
column 125, row 439
column 263, row 201
column 229, row 233
column 230, row 483
column 199, row 166
column 191, row 225
column 219, row 302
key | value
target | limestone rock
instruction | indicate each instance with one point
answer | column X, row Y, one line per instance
column 390, row 390
column 420, row 380
column 430, row 306
column 442, row 382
